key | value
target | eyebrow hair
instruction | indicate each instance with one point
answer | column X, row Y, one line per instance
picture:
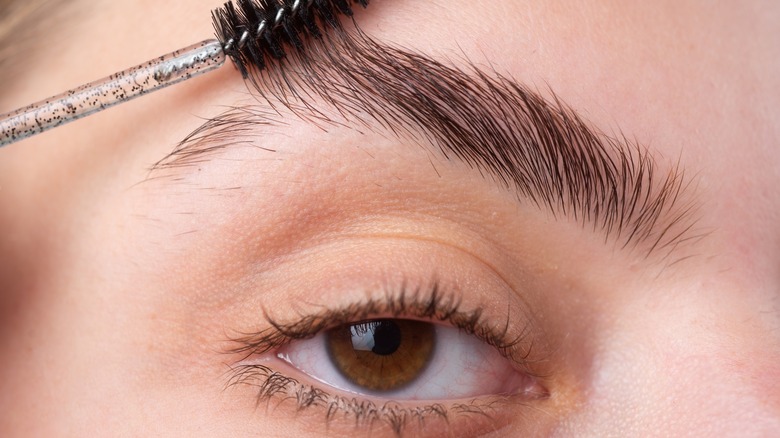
column 540, row 148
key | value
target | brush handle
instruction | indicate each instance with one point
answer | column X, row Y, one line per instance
column 120, row 87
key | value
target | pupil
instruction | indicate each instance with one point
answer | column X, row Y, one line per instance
column 387, row 338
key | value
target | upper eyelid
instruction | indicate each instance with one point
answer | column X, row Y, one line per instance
column 432, row 305
column 540, row 149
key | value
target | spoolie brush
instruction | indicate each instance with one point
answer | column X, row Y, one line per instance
column 251, row 33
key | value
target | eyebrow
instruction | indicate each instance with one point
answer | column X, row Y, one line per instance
column 542, row 149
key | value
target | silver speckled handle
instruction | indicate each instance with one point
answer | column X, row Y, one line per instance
column 117, row 88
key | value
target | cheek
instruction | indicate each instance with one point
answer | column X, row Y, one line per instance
column 746, row 348
column 693, row 366
column 759, row 371
column 732, row 394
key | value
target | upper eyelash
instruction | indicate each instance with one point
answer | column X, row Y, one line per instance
column 433, row 305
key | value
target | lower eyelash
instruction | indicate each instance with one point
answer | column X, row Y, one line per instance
column 272, row 385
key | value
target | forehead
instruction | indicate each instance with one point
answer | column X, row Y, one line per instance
column 632, row 69
column 608, row 57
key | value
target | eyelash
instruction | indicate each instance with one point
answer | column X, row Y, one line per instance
column 270, row 383
column 430, row 303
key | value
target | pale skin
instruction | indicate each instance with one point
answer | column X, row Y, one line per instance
column 117, row 292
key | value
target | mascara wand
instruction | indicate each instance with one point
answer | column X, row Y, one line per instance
column 247, row 32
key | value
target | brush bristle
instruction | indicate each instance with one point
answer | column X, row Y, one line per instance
column 251, row 31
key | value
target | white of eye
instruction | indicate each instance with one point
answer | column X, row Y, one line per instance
column 461, row 366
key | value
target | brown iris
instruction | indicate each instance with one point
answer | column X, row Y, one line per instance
column 383, row 354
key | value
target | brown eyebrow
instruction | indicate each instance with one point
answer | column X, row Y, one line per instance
column 540, row 148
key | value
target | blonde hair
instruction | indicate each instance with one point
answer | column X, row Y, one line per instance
column 19, row 25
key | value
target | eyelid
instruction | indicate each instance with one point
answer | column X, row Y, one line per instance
column 481, row 415
column 433, row 305
column 360, row 278
column 364, row 277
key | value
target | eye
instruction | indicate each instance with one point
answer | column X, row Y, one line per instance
column 406, row 359
column 426, row 360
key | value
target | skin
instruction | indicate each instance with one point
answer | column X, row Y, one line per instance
column 116, row 293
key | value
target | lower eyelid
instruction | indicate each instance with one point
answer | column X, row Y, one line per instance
column 344, row 415
column 279, row 385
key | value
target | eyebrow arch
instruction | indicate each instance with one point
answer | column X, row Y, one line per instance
column 541, row 149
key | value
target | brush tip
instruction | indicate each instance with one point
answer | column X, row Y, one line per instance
column 254, row 32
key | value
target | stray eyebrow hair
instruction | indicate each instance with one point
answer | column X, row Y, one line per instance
column 539, row 148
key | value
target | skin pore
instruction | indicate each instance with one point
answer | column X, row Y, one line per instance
column 121, row 287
